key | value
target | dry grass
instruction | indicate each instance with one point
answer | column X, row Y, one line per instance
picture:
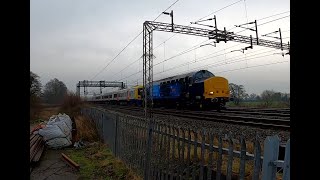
column 97, row 162
column 42, row 113
column 86, row 129
column 72, row 104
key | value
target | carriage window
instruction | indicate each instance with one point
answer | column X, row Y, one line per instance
column 115, row 95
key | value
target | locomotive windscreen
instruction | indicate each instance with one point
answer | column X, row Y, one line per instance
column 203, row 74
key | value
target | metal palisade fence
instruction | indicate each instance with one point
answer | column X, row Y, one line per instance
column 186, row 153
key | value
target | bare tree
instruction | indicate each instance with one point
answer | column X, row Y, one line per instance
column 285, row 97
column 35, row 85
column 253, row 97
column 54, row 91
column 35, row 94
column 35, row 89
column 237, row 92
column 267, row 96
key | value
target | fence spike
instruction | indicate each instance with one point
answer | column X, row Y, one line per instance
column 242, row 157
column 270, row 154
column 219, row 159
column 286, row 165
column 230, row 156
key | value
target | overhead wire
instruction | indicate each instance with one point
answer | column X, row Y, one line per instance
column 211, row 64
column 253, row 66
column 263, row 23
column 222, row 63
column 190, row 49
column 199, row 20
column 130, row 43
column 229, row 62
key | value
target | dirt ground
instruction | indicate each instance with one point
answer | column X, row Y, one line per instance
column 51, row 166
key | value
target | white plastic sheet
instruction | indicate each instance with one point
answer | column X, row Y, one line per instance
column 57, row 132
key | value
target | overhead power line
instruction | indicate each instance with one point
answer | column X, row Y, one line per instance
column 117, row 55
column 220, row 64
column 273, row 15
column 262, row 24
column 260, row 65
column 199, row 20
column 129, row 44
column 219, row 10
column 190, row 49
column 273, row 20
column 211, row 64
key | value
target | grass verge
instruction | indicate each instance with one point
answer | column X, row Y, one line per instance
column 97, row 162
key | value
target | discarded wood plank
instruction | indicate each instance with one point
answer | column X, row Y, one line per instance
column 70, row 162
column 35, row 139
column 39, row 153
column 36, row 149
column 32, row 136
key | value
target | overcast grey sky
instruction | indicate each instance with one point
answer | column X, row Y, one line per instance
column 73, row 40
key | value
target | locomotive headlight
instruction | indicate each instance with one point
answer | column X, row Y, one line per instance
column 211, row 92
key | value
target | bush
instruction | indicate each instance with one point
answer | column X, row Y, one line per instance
column 71, row 104
column 35, row 105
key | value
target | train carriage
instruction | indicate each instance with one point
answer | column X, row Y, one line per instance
column 200, row 89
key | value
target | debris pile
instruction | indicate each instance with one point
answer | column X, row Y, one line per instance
column 57, row 131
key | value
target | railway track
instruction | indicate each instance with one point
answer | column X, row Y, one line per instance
column 266, row 118
column 274, row 110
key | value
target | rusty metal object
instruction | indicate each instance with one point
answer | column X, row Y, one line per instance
column 70, row 162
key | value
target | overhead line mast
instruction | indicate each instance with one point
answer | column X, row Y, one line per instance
column 218, row 35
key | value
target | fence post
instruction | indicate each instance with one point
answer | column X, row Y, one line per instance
column 116, row 135
column 195, row 155
column 242, row 158
column 188, row 153
column 149, row 149
column 271, row 150
column 219, row 159
column 286, row 165
column 210, row 163
column 230, row 156
column 257, row 158
column 203, row 135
